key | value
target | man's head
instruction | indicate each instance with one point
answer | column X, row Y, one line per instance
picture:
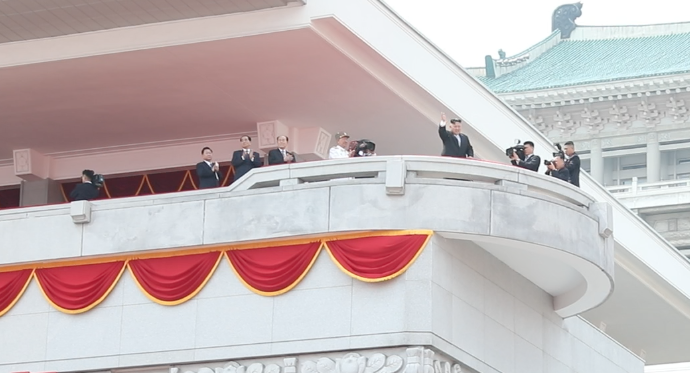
column 569, row 148
column 282, row 141
column 87, row 176
column 207, row 154
column 456, row 126
column 342, row 139
column 246, row 141
column 529, row 147
column 558, row 162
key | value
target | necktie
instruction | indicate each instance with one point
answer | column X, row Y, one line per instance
column 459, row 141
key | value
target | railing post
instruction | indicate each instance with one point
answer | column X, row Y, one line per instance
column 395, row 177
column 634, row 185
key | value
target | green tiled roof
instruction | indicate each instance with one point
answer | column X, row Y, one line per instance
column 575, row 62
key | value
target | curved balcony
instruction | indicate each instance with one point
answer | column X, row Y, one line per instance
column 548, row 231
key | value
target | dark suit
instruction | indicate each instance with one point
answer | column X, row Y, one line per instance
column 276, row 157
column 84, row 192
column 562, row 174
column 531, row 162
column 451, row 148
column 207, row 177
column 242, row 166
column 573, row 166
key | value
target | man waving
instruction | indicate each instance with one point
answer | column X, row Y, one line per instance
column 455, row 143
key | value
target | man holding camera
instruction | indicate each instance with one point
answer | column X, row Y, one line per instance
column 455, row 143
column 531, row 161
column 86, row 190
column 557, row 169
column 573, row 163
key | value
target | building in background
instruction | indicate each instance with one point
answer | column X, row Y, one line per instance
column 388, row 264
column 621, row 93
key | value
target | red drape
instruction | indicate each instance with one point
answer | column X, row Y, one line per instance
column 140, row 185
column 174, row 280
column 12, row 285
column 78, row 288
column 376, row 258
column 273, row 270
column 9, row 198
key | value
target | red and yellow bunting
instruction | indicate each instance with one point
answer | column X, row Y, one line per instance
column 173, row 277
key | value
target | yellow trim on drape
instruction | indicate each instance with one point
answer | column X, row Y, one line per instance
column 428, row 233
column 16, row 299
column 186, row 175
column 62, row 189
column 231, row 170
column 282, row 291
column 176, row 302
column 89, row 307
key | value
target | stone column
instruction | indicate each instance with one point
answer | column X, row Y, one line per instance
column 596, row 161
column 40, row 192
column 653, row 158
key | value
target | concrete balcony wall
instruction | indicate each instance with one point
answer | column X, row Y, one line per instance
column 509, row 210
column 490, row 290
column 457, row 298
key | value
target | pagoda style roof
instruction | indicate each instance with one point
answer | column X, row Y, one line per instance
column 578, row 55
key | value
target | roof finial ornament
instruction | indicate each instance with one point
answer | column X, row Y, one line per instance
column 564, row 19
column 501, row 54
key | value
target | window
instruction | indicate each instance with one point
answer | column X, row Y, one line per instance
column 634, row 166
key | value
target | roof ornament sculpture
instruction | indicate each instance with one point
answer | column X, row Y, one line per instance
column 564, row 19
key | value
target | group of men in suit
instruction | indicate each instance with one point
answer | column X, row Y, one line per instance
column 564, row 166
column 243, row 161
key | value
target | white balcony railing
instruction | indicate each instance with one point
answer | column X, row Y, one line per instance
column 649, row 189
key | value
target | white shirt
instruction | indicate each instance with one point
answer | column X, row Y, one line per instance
column 338, row 152
column 210, row 164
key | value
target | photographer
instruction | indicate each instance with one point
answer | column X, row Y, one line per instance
column 573, row 163
column 557, row 169
column 88, row 189
column 523, row 156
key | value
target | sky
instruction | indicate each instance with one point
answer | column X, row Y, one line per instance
column 468, row 30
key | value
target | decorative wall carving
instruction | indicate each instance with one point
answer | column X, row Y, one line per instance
column 648, row 113
column 22, row 161
column 677, row 110
column 565, row 123
column 591, row 119
column 416, row 360
column 620, row 116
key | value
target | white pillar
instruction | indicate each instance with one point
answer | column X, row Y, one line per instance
column 653, row 158
column 596, row 168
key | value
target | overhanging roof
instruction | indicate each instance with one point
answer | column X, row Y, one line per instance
column 28, row 19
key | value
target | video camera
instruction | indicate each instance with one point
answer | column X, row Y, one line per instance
column 559, row 154
column 363, row 148
column 518, row 149
column 98, row 180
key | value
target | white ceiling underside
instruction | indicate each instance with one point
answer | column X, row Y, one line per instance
column 33, row 19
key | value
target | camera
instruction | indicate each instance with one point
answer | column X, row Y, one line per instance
column 365, row 148
column 559, row 154
column 98, row 180
column 518, row 149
